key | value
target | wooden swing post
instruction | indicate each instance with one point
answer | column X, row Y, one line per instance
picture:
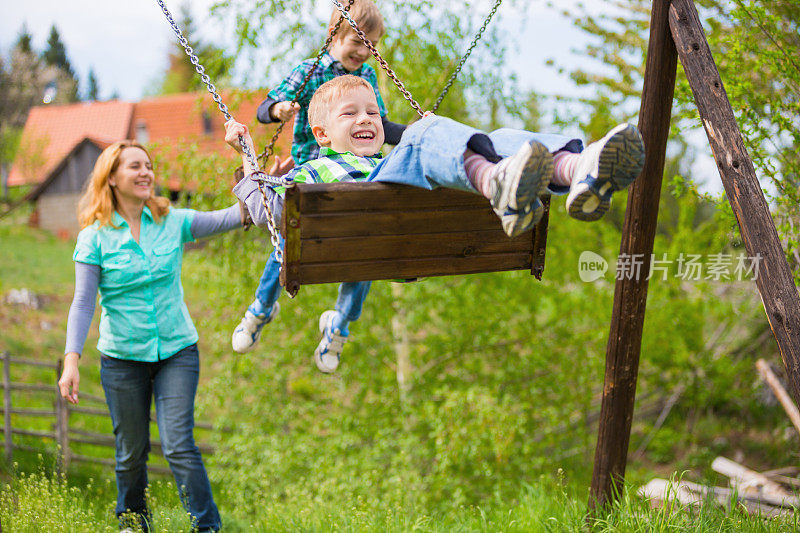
column 773, row 279
column 630, row 295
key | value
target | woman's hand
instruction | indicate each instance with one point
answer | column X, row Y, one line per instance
column 234, row 130
column 284, row 111
column 70, row 378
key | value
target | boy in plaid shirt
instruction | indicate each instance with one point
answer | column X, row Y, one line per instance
column 347, row 55
column 439, row 152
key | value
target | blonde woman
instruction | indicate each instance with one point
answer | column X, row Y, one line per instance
column 130, row 248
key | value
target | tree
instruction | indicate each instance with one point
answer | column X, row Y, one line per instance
column 92, row 91
column 56, row 52
column 24, row 40
column 181, row 75
column 423, row 44
column 755, row 45
column 60, row 74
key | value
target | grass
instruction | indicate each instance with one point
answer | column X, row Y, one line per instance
column 39, row 501
column 472, row 446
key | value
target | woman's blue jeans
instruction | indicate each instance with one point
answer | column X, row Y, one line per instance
column 129, row 387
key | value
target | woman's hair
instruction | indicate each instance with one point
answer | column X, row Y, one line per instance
column 329, row 92
column 98, row 202
column 366, row 16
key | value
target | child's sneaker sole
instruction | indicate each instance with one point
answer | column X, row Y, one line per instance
column 620, row 161
column 516, row 199
column 329, row 350
column 247, row 334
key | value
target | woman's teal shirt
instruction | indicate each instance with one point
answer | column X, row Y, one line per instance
column 144, row 317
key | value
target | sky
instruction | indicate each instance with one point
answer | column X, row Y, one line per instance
column 127, row 43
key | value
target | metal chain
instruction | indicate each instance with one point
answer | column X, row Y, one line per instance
column 268, row 149
column 259, row 177
column 466, row 55
column 206, row 80
column 381, row 61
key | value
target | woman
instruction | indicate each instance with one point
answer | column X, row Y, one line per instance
column 131, row 247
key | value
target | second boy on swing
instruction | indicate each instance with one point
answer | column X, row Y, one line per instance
column 347, row 55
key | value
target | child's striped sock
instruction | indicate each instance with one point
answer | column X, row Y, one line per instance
column 564, row 164
column 479, row 170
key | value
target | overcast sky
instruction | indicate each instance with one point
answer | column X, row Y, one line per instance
column 126, row 43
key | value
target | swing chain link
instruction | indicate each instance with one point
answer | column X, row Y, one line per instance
column 206, row 80
column 256, row 175
column 262, row 178
column 465, row 56
column 379, row 58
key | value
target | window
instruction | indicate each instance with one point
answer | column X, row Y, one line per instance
column 208, row 127
column 142, row 135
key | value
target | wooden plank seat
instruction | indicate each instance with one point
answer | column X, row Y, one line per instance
column 370, row 231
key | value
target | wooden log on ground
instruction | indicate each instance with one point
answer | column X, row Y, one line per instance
column 658, row 491
column 774, row 278
column 630, row 295
column 750, row 482
column 774, row 383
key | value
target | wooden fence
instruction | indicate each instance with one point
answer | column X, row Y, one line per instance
column 61, row 432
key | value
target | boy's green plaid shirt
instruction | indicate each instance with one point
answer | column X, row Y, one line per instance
column 333, row 166
column 304, row 147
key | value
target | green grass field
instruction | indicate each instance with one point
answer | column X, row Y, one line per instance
column 493, row 431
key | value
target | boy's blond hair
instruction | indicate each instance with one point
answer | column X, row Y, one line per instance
column 329, row 92
column 366, row 15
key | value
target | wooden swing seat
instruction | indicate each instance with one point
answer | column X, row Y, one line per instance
column 338, row 232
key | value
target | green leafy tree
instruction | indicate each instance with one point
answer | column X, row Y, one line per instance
column 181, row 75
column 755, row 45
column 423, row 43
column 22, row 81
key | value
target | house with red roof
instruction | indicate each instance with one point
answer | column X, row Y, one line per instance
column 60, row 144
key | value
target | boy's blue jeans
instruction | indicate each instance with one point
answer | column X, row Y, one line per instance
column 129, row 387
column 431, row 153
column 348, row 304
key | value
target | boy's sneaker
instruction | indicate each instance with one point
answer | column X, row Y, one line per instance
column 248, row 332
column 605, row 166
column 329, row 349
column 516, row 184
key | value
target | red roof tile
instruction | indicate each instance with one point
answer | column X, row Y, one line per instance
column 174, row 125
column 52, row 131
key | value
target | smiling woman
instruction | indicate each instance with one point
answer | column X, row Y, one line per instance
column 131, row 250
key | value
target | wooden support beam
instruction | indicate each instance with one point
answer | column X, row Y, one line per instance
column 630, row 295
column 772, row 380
column 774, row 279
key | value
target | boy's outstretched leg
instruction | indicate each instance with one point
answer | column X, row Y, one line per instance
column 263, row 309
column 605, row 166
column 513, row 185
column 333, row 324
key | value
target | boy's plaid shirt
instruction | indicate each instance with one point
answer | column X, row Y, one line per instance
column 333, row 166
column 304, row 147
